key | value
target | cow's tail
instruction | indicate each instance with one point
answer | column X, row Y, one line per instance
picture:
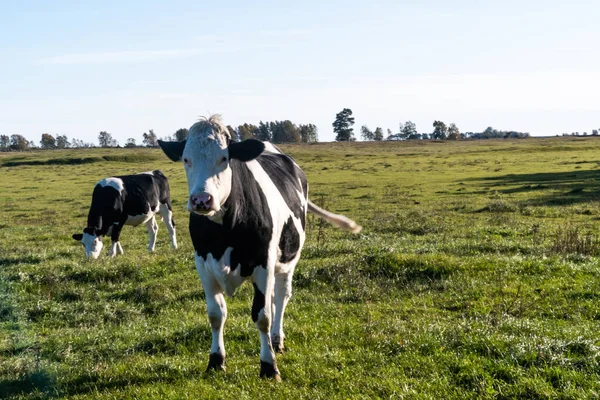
column 334, row 219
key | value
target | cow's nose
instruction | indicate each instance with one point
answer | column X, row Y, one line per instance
column 202, row 200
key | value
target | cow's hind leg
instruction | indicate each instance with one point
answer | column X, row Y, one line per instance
column 152, row 227
column 167, row 216
column 281, row 296
column 217, row 314
column 261, row 315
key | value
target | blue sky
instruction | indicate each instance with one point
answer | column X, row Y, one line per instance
column 76, row 68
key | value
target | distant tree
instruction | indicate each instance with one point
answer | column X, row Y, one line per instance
column 285, row 132
column 342, row 126
column 366, row 133
column 264, row 132
column 378, row 134
column 149, row 139
column 4, row 142
column 18, row 142
column 180, row 134
column 233, row 133
column 105, row 139
column 594, row 132
column 308, row 133
column 62, row 142
column 440, row 131
column 389, row 132
column 409, row 130
column 247, row 131
column 584, row 133
column 48, row 141
column 453, row 132
column 130, row 143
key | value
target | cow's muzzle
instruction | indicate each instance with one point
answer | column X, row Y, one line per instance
column 202, row 203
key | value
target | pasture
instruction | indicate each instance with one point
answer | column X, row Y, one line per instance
column 476, row 275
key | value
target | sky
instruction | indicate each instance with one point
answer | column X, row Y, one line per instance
column 76, row 68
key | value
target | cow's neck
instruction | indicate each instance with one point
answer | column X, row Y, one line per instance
column 96, row 221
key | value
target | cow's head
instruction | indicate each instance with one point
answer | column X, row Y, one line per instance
column 206, row 156
column 91, row 239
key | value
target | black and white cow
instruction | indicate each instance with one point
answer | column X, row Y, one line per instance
column 248, row 204
column 127, row 200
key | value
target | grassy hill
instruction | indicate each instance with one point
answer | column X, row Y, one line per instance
column 476, row 276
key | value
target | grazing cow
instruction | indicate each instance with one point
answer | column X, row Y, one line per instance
column 127, row 200
column 248, row 204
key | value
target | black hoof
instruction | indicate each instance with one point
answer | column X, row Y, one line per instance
column 268, row 370
column 216, row 362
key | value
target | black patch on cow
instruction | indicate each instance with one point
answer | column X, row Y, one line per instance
column 258, row 303
column 173, row 150
column 289, row 242
column 141, row 192
column 288, row 179
column 247, row 225
column 268, row 370
column 216, row 361
column 246, row 150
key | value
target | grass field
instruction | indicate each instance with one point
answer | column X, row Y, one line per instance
column 476, row 276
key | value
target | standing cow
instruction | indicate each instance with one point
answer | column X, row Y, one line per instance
column 248, row 204
column 127, row 200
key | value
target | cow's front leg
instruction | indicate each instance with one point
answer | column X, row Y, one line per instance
column 115, row 233
column 261, row 315
column 152, row 227
column 282, row 294
column 217, row 314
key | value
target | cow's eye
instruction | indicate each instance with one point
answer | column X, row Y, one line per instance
column 185, row 160
column 223, row 160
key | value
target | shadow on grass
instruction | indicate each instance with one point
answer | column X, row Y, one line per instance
column 574, row 187
column 90, row 382
column 35, row 382
column 8, row 261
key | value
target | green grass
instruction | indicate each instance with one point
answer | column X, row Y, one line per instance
column 476, row 276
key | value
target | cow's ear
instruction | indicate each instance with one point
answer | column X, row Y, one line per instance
column 77, row 236
column 173, row 150
column 246, row 150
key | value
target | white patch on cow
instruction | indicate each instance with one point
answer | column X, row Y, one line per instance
column 93, row 245
column 271, row 148
column 114, row 183
column 221, row 270
column 147, row 173
column 135, row 220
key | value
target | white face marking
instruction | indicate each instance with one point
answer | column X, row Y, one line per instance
column 92, row 245
column 115, row 183
column 206, row 163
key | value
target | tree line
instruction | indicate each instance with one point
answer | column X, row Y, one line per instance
column 273, row 131
column 279, row 132
column 342, row 127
